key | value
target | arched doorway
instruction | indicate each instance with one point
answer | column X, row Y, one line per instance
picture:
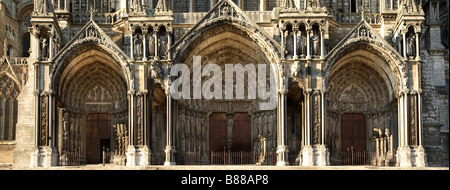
column 361, row 105
column 231, row 122
column 92, row 105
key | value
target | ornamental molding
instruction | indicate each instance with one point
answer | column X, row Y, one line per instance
column 226, row 11
column 364, row 34
column 91, row 33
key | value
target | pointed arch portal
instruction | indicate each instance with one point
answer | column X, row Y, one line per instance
column 92, row 103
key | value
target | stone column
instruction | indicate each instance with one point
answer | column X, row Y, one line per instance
column 421, row 157
column 51, row 123
column 283, row 42
column 417, row 47
column 404, row 45
column 419, row 112
column 322, row 43
column 262, row 4
column 307, row 149
column 66, row 5
column 60, row 130
column 37, row 105
column 52, row 153
column 308, row 44
column 37, row 47
column 143, row 151
column 322, row 116
column 155, row 35
column 131, row 149
column 308, row 117
column 321, row 155
column 404, row 151
column 144, row 43
column 191, row 6
column 50, row 47
column 131, row 46
column 295, row 43
column 282, row 149
column 170, row 149
column 169, row 45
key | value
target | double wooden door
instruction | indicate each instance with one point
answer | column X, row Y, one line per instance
column 241, row 132
column 98, row 135
column 353, row 132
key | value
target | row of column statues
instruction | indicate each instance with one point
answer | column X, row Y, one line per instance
column 150, row 45
column 302, row 43
column 192, row 128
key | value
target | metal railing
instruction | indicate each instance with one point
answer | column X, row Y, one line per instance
column 72, row 158
column 228, row 157
column 106, row 156
column 353, row 158
column 233, row 158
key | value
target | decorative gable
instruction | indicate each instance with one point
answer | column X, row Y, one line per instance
column 362, row 32
column 91, row 32
column 226, row 10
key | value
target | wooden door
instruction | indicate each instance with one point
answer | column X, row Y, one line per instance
column 98, row 134
column 241, row 132
column 353, row 132
column 217, row 132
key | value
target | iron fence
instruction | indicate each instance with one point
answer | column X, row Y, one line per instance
column 106, row 156
column 228, row 157
column 357, row 158
column 192, row 158
column 72, row 158
column 233, row 158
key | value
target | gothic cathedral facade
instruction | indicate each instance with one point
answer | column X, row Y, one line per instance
column 356, row 82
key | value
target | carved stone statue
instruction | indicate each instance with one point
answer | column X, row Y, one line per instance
column 138, row 45
column 162, row 45
column 230, row 123
column 151, row 44
column 301, row 44
column 155, row 70
column 315, row 41
column 410, row 45
column 289, row 42
column 295, row 69
column 262, row 149
column 44, row 47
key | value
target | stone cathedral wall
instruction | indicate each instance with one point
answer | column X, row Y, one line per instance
column 434, row 73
